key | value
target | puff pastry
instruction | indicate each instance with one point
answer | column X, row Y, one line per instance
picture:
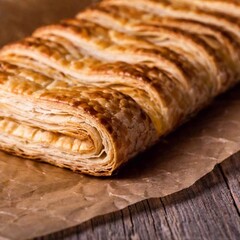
column 91, row 92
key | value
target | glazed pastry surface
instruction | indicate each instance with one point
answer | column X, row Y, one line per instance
column 91, row 92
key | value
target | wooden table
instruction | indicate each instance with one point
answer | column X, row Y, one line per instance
column 210, row 209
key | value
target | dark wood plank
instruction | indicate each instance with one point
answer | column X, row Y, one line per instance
column 207, row 210
column 232, row 178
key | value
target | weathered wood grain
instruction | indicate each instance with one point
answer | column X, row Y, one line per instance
column 232, row 178
column 207, row 210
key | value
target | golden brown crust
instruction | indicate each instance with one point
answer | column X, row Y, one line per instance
column 138, row 81
column 184, row 11
column 111, row 123
column 91, row 92
column 231, row 7
column 217, row 50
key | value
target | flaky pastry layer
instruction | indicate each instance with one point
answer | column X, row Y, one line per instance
column 91, row 92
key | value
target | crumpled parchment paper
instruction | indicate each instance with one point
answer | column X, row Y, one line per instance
column 37, row 199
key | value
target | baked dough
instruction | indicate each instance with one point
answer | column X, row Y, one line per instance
column 91, row 92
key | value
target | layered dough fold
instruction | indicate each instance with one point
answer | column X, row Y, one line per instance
column 90, row 93
column 87, row 129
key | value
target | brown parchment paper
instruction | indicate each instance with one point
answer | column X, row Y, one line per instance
column 37, row 199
